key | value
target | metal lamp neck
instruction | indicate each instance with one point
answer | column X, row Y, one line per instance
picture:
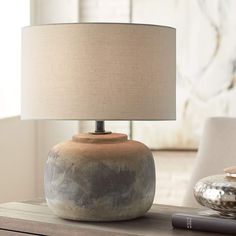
column 100, row 127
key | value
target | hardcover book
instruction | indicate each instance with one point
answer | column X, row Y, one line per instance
column 205, row 220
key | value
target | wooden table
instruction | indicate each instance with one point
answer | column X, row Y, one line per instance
column 34, row 217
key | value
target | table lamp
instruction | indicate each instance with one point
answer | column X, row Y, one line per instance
column 99, row 71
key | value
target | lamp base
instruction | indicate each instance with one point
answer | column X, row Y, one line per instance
column 100, row 178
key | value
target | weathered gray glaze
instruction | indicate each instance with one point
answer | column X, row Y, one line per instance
column 100, row 178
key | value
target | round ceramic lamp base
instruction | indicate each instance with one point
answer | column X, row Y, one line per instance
column 100, row 178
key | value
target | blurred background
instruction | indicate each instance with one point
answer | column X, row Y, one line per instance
column 206, row 65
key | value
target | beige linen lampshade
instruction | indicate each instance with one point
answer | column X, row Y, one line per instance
column 98, row 71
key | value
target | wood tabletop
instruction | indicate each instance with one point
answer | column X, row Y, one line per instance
column 34, row 217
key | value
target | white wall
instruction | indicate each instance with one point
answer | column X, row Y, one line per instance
column 17, row 159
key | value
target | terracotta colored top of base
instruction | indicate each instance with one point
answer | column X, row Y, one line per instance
column 100, row 138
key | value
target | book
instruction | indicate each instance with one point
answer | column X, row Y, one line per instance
column 205, row 220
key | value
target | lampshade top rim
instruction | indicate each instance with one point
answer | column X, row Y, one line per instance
column 173, row 118
column 101, row 23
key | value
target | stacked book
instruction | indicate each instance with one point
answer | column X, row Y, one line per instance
column 205, row 220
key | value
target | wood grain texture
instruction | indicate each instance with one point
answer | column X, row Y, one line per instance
column 14, row 233
column 35, row 217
